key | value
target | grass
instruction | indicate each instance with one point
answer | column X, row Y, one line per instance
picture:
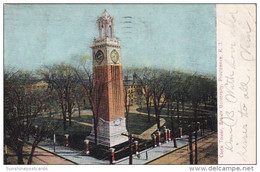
column 76, row 131
column 84, row 118
column 186, row 119
column 187, row 110
column 138, row 123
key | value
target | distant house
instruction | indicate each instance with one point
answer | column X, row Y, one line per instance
column 41, row 85
column 132, row 88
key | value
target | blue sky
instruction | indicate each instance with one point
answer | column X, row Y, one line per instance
column 172, row 36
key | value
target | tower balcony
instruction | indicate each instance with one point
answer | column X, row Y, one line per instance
column 106, row 41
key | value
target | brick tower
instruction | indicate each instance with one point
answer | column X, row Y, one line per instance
column 108, row 85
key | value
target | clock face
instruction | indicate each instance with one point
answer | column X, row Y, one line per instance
column 114, row 56
column 99, row 57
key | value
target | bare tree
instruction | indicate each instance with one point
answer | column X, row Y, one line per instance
column 93, row 90
column 128, row 90
column 62, row 79
column 143, row 77
column 22, row 107
column 127, row 99
column 159, row 85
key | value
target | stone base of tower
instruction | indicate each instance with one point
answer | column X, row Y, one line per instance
column 109, row 133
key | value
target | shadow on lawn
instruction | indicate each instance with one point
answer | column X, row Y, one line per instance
column 138, row 123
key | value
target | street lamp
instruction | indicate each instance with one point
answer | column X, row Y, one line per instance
column 54, row 142
column 36, row 127
column 66, row 140
column 87, row 146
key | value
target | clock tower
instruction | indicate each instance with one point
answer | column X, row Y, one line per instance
column 108, row 85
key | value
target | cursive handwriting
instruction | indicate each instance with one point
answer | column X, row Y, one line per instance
column 243, row 110
column 246, row 43
column 244, row 87
column 230, row 87
column 239, row 47
column 231, row 60
column 230, row 20
column 245, row 54
column 230, row 120
column 242, row 152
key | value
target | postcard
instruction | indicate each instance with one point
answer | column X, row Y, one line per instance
column 123, row 84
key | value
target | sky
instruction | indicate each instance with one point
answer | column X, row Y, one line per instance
column 171, row 36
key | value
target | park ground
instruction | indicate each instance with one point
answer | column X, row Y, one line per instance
column 207, row 153
column 207, row 147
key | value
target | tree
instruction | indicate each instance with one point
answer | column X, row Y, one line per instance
column 195, row 92
column 184, row 85
column 63, row 80
column 140, row 99
column 173, row 91
column 159, row 84
column 128, row 90
column 143, row 77
column 93, row 90
column 22, row 106
column 208, row 90
column 127, row 102
column 78, row 95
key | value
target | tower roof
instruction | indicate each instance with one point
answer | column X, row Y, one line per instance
column 105, row 25
column 105, row 15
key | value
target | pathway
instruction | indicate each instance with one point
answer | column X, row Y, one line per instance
column 207, row 153
column 41, row 157
column 151, row 154
column 146, row 156
column 146, row 135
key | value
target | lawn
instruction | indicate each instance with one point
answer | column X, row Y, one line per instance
column 76, row 131
column 138, row 123
column 186, row 119
column 187, row 111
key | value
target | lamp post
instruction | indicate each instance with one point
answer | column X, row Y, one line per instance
column 36, row 127
column 165, row 135
column 54, row 142
column 169, row 135
column 180, row 132
column 154, row 140
column 86, row 146
column 66, row 140
column 136, row 147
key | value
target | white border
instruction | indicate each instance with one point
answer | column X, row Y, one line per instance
column 108, row 168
